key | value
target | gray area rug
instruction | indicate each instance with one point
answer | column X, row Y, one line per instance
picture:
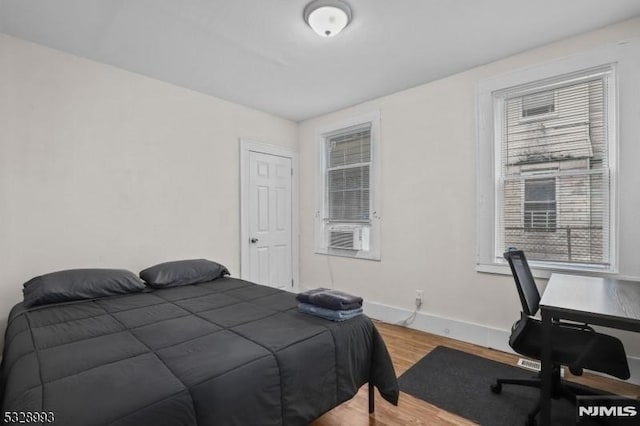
column 459, row 382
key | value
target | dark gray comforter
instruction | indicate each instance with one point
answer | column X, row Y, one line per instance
column 226, row 352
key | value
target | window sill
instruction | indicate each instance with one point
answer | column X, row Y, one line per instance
column 498, row 269
column 545, row 271
column 365, row 255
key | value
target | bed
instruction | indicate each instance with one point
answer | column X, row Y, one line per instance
column 225, row 352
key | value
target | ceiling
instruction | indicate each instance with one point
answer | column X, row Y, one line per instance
column 260, row 53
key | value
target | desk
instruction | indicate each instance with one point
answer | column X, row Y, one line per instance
column 596, row 301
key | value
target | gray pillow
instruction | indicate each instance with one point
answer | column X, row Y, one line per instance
column 77, row 284
column 183, row 272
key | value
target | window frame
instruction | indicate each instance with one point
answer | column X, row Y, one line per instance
column 488, row 146
column 321, row 243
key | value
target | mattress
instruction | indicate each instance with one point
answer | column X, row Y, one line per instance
column 226, row 352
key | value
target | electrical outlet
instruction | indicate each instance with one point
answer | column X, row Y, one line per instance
column 418, row 299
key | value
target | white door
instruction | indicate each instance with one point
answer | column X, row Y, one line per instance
column 270, row 244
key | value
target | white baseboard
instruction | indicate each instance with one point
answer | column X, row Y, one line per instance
column 469, row 332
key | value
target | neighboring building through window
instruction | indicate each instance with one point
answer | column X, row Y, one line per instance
column 553, row 191
column 540, row 103
column 347, row 214
column 540, row 204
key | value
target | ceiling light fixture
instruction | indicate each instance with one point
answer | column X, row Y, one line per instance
column 327, row 17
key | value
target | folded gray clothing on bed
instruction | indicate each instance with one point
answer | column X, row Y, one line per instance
column 330, row 314
column 330, row 299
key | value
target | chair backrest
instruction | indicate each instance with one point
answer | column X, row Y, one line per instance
column 529, row 295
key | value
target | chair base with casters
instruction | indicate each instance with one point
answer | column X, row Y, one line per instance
column 559, row 389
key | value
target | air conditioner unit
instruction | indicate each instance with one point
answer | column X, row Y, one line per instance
column 348, row 237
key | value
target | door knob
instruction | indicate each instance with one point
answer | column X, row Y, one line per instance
column 254, row 240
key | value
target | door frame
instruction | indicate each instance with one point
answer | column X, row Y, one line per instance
column 247, row 146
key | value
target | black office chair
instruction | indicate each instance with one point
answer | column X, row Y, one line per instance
column 576, row 346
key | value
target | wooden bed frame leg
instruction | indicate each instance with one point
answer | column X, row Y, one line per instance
column 371, row 399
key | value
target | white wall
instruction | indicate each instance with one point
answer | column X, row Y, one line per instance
column 100, row 167
column 428, row 144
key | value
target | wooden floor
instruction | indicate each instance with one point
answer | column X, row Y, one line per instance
column 407, row 346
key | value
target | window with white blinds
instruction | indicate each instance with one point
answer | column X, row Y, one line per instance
column 348, row 166
column 347, row 209
column 553, row 195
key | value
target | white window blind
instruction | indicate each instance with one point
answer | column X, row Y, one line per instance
column 553, row 195
column 348, row 176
